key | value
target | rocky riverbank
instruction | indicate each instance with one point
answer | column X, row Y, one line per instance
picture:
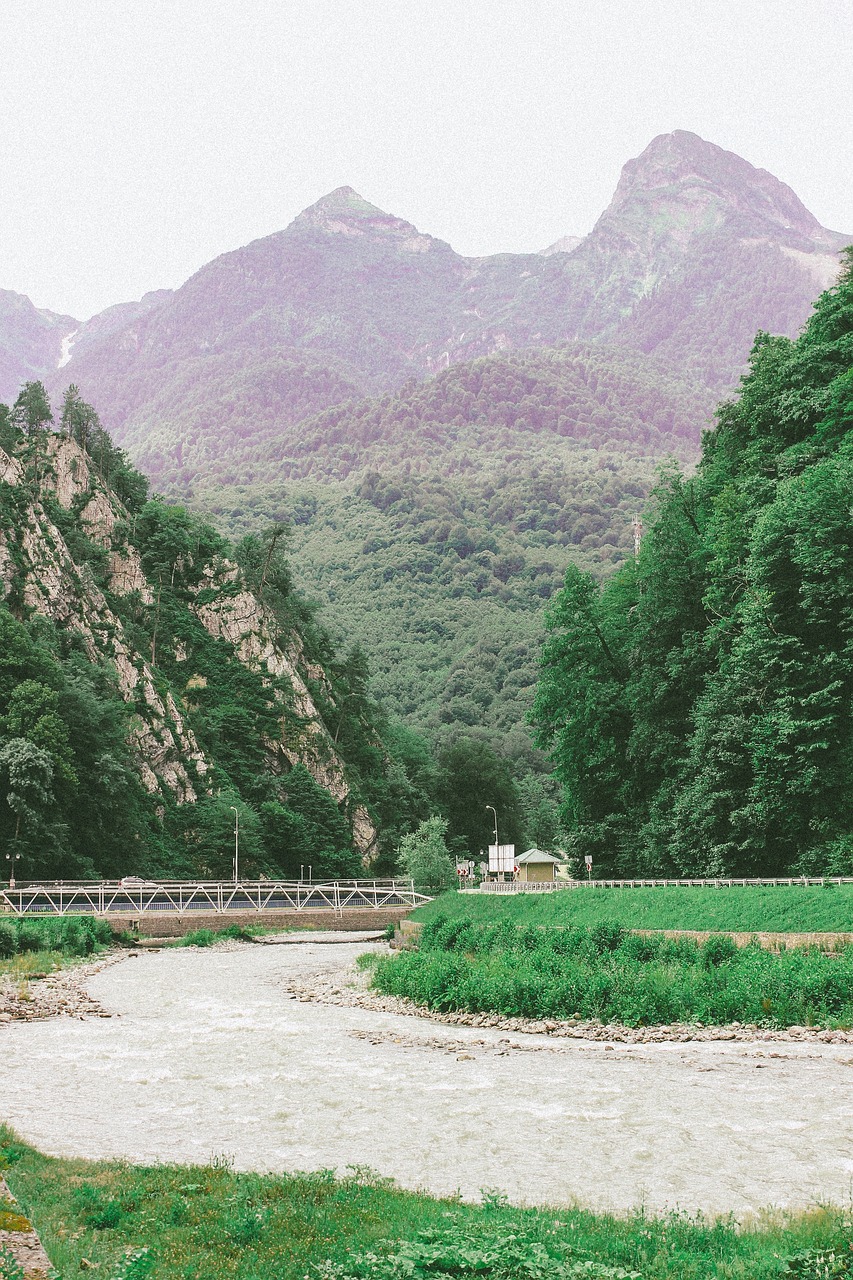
column 349, row 986
column 59, row 993
column 19, row 1240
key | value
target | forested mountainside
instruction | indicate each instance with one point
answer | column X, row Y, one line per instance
column 506, row 411
column 698, row 706
column 153, row 677
column 468, row 495
column 148, row 682
column 697, row 250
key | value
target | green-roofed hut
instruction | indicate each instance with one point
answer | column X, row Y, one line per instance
column 536, row 866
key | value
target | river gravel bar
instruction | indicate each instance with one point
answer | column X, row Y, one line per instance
column 215, row 1053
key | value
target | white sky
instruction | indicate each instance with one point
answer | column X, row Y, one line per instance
column 141, row 138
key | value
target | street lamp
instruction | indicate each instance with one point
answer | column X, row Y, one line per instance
column 497, row 858
column 13, row 858
column 236, row 842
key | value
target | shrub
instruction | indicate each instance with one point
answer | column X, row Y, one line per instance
column 8, row 939
column 199, row 938
column 602, row 973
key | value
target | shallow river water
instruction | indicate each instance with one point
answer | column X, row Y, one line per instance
column 210, row 1056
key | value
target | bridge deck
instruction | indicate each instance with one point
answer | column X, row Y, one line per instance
column 218, row 898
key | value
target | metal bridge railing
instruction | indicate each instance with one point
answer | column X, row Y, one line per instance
column 717, row 882
column 220, row 897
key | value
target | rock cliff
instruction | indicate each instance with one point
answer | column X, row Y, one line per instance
column 83, row 585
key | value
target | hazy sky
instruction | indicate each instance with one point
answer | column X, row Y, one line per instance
column 139, row 140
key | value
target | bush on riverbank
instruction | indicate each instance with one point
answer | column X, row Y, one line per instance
column 607, row 974
column 780, row 909
column 67, row 935
column 207, row 1221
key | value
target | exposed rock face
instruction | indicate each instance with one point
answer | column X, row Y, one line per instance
column 247, row 624
column 37, row 566
column 683, row 187
column 51, row 584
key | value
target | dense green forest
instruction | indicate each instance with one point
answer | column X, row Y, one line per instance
column 697, row 707
column 528, row 407
column 432, row 526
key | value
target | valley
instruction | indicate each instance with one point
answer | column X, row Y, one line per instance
column 432, row 442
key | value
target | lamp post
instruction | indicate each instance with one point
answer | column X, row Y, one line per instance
column 236, row 842
column 13, row 858
column 497, row 846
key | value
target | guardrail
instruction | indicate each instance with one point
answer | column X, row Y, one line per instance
column 180, row 897
column 717, row 882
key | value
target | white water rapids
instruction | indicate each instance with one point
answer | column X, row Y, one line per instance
column 211, row 1056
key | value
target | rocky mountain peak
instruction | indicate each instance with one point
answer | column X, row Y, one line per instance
column 344, row 212
column 689, row 186
column 343, row 202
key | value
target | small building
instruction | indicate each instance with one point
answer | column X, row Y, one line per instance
column 536, row 866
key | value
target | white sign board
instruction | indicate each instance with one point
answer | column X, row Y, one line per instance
column 501, row 857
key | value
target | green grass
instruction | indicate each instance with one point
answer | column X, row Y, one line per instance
column 210, row 1223
column 615, row 976
column 750, row 910
column 22, row 967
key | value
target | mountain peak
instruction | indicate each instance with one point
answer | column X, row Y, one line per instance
column 694, row 185
column 342, row 202
column 343, row 212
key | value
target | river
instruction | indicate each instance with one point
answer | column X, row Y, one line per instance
column 211, row 1057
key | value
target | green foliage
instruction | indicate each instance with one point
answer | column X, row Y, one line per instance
column 452, row 1251
column 207, row 937
column 821, row 1264
column 697, row 708
column 10, row 1269
column 31, row 411
column 74, row 804
column 65, row 935
column 472, row 776
column 80, row 421
column 781, row 909
column 65, row 760
column 189, row 1221
column 611, row 976
column 425, row 541
column 423, row 855
column 10, row 432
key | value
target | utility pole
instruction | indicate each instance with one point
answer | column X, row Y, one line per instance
column 236, row 843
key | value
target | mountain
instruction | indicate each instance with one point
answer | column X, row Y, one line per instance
column 433, row 525
column 140, row 660
column 696, row 251
column 447, row 434
column 31, row 341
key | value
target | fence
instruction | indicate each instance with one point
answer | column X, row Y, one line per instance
column 86, row 898
column 719, row 882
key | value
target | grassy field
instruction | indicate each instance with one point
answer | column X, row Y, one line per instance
column 609, row 974
column 210, row 1223
column 783, row 909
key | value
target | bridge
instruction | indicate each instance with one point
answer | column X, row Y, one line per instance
column 152, row 900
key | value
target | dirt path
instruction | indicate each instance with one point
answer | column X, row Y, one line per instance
column 215, row 1052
